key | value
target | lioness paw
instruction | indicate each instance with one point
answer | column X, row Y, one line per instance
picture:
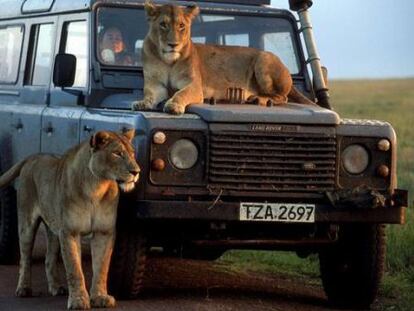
column 58, row 291
column 174, row 107
column 78, row 303
column 23, row 292
column 103, row 301
column 144, row 104
column 257, row 100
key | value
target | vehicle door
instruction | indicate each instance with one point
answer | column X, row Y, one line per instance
column 26, row 54
column 116, row 82
column 61, row 119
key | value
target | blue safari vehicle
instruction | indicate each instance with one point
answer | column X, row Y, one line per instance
column 223, row 175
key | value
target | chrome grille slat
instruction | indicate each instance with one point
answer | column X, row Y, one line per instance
column 267, row 168
column 279, row 181
column 251, row 161
column 271, row 141
column 247, row 174
column 268, row 161
column 273, row 188
column 264, row 147
column 271, row 154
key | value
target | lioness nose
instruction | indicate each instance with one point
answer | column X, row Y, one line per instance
column 135, row 172
column 172, row 45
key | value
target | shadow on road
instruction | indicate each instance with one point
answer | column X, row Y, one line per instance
column 173, row 284
column 171, row 278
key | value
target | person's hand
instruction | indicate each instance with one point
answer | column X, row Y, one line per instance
column 108, row 56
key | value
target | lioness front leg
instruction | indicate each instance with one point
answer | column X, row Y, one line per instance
column 101, row 247
column 154, row 93
column 71, row 255
column 191, row 94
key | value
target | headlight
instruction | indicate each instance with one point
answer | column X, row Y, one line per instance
column 183, row 154
column 355, row 159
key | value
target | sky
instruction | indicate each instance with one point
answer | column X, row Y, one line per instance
column 364, row 38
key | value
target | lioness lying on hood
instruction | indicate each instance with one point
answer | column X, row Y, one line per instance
column 187, row 73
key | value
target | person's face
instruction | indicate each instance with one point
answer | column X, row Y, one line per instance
column 112, row 39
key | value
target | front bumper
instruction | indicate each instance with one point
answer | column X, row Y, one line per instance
column 392, row 211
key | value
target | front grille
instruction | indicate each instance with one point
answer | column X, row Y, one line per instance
column 272, row 162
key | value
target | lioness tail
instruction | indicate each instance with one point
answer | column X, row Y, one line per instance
column 297, row 97
column 11, row 174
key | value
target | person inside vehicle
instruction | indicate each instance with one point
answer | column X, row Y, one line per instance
column 113, row 49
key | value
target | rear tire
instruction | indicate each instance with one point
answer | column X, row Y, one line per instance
column 351, row 270
column 9, row 238
column 127, row 268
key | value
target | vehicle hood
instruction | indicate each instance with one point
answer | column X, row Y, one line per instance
column 289, row 114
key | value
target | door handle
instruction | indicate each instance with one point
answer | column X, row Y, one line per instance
column 88, row 129
column 49, row 130
column 18, row 126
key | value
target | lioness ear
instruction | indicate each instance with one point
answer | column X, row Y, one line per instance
column 99, row 140
column 192, row 10
column 151, row 9
column 129, row 134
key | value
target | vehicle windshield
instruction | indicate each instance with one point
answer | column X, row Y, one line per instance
column 121, row 33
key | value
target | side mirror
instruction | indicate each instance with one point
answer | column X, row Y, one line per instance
column 325, row 75
column 64, row 70
column 296, row 5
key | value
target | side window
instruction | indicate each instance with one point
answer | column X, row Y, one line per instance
column 281, row 44
column 241, row 39
column 41, row 47
column 199, row 39
column 11, row 39
column 139, row 44
column 76, row 43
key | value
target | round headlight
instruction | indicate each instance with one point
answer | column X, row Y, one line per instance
column 355, row 159
column 183, row 154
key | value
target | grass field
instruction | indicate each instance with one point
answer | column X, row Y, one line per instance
column 388, row 100
column 392, row 101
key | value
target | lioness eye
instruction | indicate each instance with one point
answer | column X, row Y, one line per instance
column 182, row 26
column 163, row 25
column 117, row 154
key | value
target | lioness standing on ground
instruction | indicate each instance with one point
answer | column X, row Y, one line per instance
column 74, row 195
column 187, row 73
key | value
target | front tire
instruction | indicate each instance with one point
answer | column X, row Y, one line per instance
column 9, row 239
column 128, row 262
column 351, row 270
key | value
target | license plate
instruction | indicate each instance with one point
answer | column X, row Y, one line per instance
column 278, row 212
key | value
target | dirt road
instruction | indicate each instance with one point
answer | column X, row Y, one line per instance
column 178, row 285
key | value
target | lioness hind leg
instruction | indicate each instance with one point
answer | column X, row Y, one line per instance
column 257, row 100
column 101, row 247
column 52, row 271
column 273, row 78
column 27, row 234
column 268, row 101
column 276, row 100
